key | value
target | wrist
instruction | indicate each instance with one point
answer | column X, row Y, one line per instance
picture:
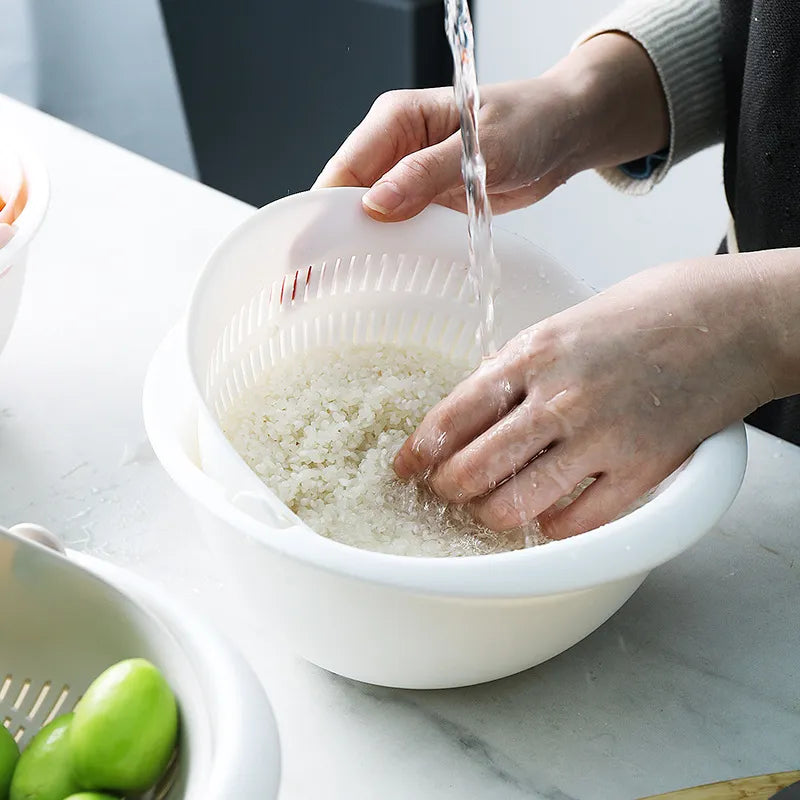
column 614, row 102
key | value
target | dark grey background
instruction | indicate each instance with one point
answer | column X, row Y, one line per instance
column 270, row 89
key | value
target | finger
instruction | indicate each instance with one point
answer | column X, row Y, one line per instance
column 355, row 164
column 454, row 198
column 372, row 148
column 523, row 196
column 399, row 123
column 598, row 504
column 504, row 201
column 471, row 408
column 497, row 454
column 521, row 499
column 415, row 181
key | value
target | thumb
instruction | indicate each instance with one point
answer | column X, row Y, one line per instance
column 415, row 181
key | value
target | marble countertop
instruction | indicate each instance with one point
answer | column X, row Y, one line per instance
column 696, row 679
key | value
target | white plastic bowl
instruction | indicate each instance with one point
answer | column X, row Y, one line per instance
column 13, row 256
column 427, row 622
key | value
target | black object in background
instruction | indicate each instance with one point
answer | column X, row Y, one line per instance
column 789, row 793
column 270, row 89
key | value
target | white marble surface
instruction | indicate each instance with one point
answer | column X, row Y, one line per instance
column 696, row 679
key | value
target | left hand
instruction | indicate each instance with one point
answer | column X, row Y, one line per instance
column 621, row 387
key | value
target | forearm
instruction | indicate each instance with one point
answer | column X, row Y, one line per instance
column 615, row 102
column 742, row 310
column 773, row 277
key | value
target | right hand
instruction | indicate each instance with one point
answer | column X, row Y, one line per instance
column 408, row 149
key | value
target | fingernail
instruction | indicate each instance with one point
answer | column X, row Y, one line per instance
column 401, row 466
column 383, row 197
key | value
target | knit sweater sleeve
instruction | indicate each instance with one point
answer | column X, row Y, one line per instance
column 682, row 37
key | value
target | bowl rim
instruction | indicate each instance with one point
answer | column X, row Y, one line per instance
column 649, row 536
column 38, row 197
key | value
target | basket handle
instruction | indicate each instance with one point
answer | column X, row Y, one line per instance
column 38, row 534
column 261, row 508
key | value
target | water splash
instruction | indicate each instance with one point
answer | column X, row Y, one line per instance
column 484, row 269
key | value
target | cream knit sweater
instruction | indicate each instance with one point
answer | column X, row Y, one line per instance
column 682, row 37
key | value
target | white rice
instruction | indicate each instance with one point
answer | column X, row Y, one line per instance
column 322, row 431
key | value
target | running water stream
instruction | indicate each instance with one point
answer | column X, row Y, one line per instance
column 484, row 270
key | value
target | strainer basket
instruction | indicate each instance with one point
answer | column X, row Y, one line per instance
column 314, row 270
column 66, row 618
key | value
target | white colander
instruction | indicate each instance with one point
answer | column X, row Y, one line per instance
column 323, row 273
column 66, row 618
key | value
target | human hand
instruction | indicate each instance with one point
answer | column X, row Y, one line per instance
column 408, row 149
column 621, row 387
column 600, row 106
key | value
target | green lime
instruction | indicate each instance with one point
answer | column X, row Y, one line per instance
column 125, row 729
column 91, row 796
column 9, row 753
column 44, row 770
